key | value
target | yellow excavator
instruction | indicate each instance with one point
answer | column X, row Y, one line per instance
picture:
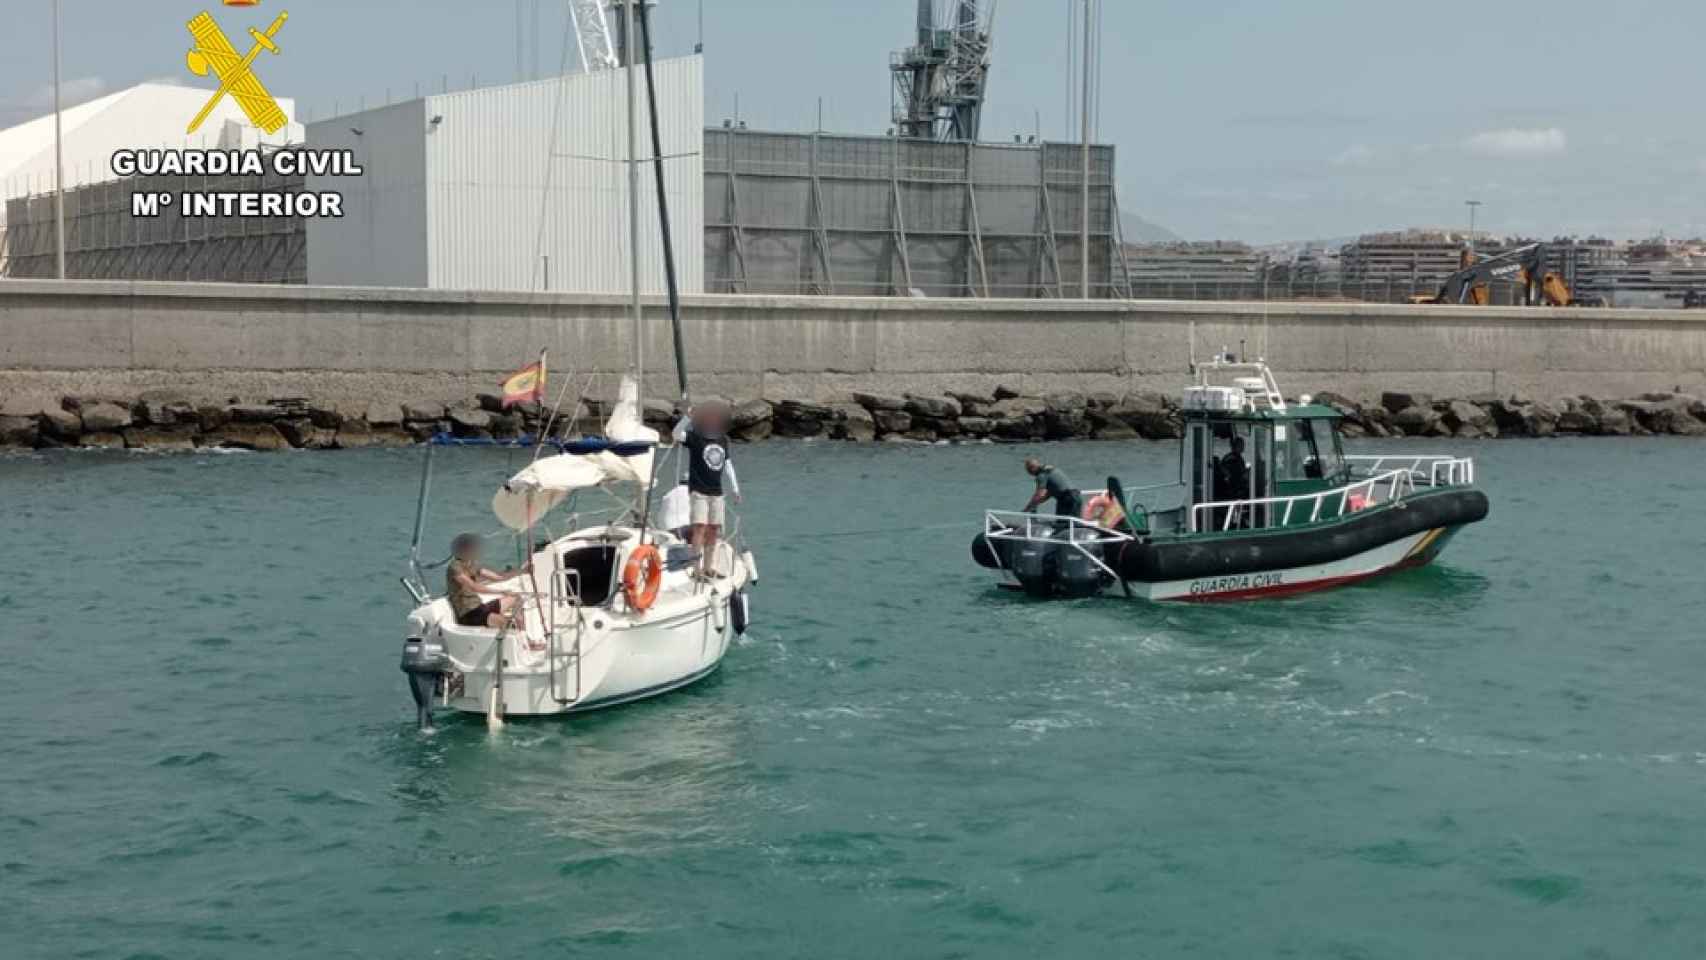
column 1524, row 266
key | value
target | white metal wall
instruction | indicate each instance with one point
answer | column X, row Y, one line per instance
column 505, row 194
column 149, row 115
column 381, row 241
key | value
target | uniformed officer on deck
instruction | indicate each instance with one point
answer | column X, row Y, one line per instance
column 1052, row 483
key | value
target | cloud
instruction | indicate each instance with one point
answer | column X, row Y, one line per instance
column 1355, row 155
column 34, row 104
column 1518, row 142
column 71, row 93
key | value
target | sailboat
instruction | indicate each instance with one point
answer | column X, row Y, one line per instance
column 617, row 606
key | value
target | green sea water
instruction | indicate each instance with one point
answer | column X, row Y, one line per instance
column 208, row 749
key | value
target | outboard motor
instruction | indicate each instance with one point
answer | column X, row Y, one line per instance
column 424, row 660
column 1057, row 567
column 1076, row 573
column 1034, row 565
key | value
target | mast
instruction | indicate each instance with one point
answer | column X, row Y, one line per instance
column 663, row 206
column 634, row 196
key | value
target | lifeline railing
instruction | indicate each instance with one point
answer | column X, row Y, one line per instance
column 1248, row 515
column 1046, row 528
column 1437, row 469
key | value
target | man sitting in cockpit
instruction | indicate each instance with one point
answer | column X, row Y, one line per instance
column 1232, row 474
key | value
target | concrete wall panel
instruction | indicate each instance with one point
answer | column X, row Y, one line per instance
column 430, row 342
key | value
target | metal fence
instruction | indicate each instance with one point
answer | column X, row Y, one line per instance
column 1367, row 289
column 882, row 216
column 104, row 242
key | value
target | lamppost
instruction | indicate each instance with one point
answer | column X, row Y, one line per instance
column 1084, row 131
column 58, row 156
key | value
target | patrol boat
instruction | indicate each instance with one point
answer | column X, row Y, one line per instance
column 1267, row 504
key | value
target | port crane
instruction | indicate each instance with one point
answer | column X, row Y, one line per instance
column 941, row 83
column 592, row 32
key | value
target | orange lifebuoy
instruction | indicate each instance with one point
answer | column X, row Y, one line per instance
column 1103, row 510
column 642, row 576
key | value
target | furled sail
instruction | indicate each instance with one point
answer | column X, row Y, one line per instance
column 531, row 494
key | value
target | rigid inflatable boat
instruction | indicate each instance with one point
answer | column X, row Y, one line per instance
column 1271, row 506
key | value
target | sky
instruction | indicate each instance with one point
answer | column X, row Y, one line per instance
column 1253, row 120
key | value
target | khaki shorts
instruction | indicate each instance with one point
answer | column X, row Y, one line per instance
column 707, row 509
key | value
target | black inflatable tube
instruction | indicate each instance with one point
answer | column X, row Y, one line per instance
column 1256, row 552
column 990, row 553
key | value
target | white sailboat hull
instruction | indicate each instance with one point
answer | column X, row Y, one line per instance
column 576, row 658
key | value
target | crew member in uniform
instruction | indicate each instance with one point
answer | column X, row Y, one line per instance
column 703, row 433
column 1052, row 483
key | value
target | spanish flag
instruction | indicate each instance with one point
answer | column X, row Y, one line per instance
column 526, row 385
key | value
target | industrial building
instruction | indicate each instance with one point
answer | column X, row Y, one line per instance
column 526, row 187
column 101, row 238
column 130, row 118
column 1187, row 270
column 520, row 187
column 888, row 216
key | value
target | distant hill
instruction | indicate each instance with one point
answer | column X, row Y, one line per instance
column 1139, row 230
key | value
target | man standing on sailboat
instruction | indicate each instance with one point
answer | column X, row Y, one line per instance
column 704, row 434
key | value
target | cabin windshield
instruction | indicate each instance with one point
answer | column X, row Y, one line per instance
column 1308, row 450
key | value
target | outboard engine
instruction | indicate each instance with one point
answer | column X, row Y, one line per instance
column 425, row 661
column 1056, row 566
column 1077, row 574
column 1034, row 564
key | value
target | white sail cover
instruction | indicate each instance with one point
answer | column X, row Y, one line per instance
column 529, row 495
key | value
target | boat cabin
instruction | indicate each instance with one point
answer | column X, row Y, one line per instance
column 1244, row 442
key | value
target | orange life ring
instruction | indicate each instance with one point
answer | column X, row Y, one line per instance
column 642, row 576
column 1103, row 510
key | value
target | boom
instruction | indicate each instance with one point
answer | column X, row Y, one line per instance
column 941, row 83
column 1524, row 266
column 592, row 30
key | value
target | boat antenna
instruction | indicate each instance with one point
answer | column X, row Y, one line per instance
column 1192, row 327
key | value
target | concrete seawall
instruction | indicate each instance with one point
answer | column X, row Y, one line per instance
column 358, row 346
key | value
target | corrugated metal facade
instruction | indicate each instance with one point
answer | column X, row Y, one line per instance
column 495, row 189
column 879, row 216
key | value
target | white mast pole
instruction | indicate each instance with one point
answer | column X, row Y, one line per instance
column 629, row 33
column 58, row 155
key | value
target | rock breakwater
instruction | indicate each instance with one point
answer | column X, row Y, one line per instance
column 173, row 421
